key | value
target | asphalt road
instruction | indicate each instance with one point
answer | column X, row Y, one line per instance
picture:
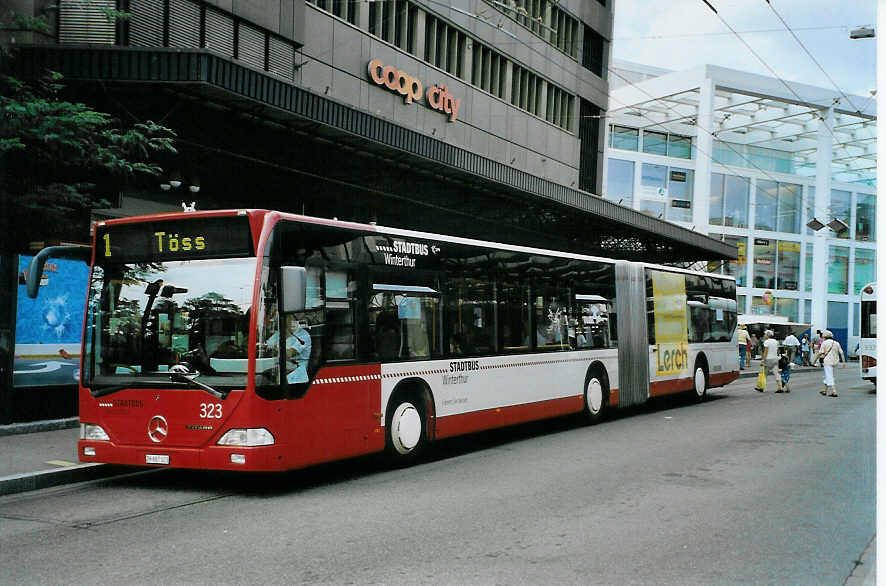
column 744, row 488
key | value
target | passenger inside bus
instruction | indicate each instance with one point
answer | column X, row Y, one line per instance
column 387, row 335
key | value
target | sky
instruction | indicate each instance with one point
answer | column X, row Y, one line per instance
column 683, row 34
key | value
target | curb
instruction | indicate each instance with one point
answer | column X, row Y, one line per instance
column 38, row 426
column 28, row 481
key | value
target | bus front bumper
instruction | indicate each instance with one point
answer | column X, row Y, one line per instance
column 252, row 459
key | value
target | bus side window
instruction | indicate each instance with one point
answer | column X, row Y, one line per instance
column 470, row 311
column 341, row 290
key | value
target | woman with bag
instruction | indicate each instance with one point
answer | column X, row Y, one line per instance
column 769, row 362
column 830, row 353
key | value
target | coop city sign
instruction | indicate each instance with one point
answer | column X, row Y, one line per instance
column 437, row 97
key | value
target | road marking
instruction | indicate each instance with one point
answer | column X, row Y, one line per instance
column 61, row 463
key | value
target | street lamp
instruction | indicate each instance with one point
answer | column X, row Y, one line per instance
column 836, row 224
column 862, row 32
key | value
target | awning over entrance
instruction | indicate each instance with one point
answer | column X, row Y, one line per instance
column 349, row 162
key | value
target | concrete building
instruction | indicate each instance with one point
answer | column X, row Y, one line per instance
column 738, row 156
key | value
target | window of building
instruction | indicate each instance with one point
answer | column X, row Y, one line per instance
column 788, row 268
column 865, row 269
column 559, row 107
column 446, row 48
column 729, row 200
column 807, row 311
column 741, row 301
column 856, row 318
column 810, row 208
column 655, row 143
column 715, row 202
column 759, row 306
column 593, row 51
column 736, row 268
column 620, row 182
column 546, row 20
column 838, row 269
column 767, row 205
column 346, row 9
column 838, row 321
column 841, row 207
column 764, row 263
column 778, row 206
column 807, row 280
column 624, row 138
column 865, row 216
column 679, row 195
column 789, row 203
column 488, row 71
column 787, row 307
column 679, row 146
column 653, row 185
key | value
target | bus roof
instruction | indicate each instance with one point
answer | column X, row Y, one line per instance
column 335, row 222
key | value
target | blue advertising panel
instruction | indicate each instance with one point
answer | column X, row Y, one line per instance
column 48, row 329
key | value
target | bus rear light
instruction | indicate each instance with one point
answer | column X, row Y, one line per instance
column 258, row 436
column 90, row 431
column 88, row 451
column 868, row 361
column 238, row 458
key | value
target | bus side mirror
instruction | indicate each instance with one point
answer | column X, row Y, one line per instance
column 294, row 283
column 35, row 269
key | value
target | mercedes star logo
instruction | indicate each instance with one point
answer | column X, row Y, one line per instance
column 158, row 428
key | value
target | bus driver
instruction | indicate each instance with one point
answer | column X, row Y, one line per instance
column 298, row 350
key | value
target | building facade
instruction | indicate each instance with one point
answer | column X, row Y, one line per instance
column 737, row 156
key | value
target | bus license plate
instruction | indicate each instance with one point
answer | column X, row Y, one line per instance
column 156, row 459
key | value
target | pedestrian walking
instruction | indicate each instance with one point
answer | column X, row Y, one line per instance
column 785, row 364
column 816, row 346
column 755, row 343
column 792, row 346
column 742, row 345
column 830, row 353
column 804, row 350
column 769, row 362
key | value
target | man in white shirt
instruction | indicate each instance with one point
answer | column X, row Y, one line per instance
column 792, row 345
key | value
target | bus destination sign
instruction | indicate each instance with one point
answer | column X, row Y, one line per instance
column 215, row 237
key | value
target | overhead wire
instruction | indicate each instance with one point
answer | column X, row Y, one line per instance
column 767, row 66
column 811, row 56
column 717, row 34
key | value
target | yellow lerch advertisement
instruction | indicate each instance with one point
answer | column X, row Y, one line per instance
column 671, row 331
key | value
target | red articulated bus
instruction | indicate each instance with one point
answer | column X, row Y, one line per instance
column 259, row 340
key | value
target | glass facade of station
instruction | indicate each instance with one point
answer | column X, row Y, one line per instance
column 759, row 202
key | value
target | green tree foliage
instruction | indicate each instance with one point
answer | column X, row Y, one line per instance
column 59, row 159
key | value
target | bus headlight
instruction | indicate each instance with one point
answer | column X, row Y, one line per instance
column 90, row 431
column 258, row 436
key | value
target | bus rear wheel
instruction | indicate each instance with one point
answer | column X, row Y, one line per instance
column 700, row 382
column 596, row 390
column 406, row 431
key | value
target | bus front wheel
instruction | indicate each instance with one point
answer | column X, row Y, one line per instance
column 406, row 433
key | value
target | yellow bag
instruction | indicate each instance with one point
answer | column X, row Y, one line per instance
column 761, row 379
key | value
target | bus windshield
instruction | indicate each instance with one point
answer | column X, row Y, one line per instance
column 149, row 320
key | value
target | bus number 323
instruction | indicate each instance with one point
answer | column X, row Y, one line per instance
column 210, row 410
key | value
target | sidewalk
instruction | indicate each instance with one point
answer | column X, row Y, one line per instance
column 43, row 454
column 752, row 369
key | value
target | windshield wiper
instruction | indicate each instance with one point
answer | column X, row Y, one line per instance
column 180, row 377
